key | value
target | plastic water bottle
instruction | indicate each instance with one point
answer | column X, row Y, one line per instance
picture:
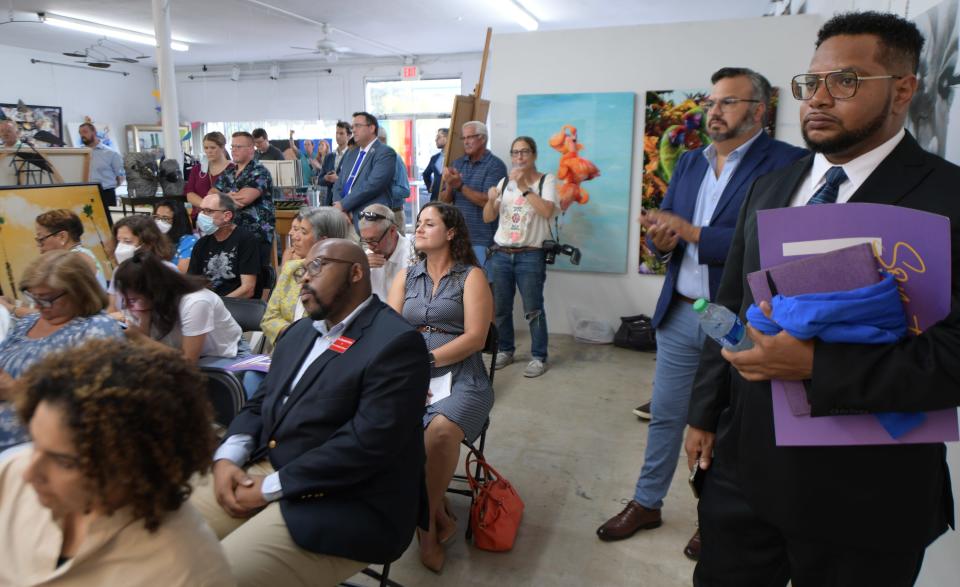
column 722, row 325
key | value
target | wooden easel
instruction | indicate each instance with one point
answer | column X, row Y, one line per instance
column 465, row 109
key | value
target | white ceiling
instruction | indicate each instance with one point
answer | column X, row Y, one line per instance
column 242, row 31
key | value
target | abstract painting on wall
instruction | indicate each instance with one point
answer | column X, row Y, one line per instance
column 31, row 119
column 586, row 141
column 935, row 109
column 19, row 207
column 674, row 123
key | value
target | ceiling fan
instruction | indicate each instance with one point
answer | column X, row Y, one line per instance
column 95, row 55
column 326, row 47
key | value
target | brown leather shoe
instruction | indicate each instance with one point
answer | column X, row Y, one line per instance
column 625, row 524
column 692, row 549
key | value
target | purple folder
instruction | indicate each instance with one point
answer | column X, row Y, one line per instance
column 840, row 270
column 912, row 245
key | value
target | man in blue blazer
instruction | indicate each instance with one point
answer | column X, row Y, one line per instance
column 322, row 472
column 434, row 170
column 692, row 233
column 366, row 172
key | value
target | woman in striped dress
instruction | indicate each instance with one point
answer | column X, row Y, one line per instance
column 447, row 298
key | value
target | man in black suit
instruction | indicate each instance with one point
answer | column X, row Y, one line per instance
column 851, row 515
column 332, row 162
column 434, row 169
column 322, row 472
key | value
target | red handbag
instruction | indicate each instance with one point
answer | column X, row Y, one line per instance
column 497, row 508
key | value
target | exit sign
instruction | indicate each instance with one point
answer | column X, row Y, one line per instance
column 410, row 72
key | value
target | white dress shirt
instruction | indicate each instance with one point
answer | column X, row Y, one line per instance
column 857, row 170
column 237, row 448
column 381, row 278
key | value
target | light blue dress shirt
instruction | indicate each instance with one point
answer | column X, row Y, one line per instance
column 693, row 281
column 106, row 165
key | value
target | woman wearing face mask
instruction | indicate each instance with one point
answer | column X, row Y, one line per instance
column 204, row 176
column 171, row 219
column 132, row 234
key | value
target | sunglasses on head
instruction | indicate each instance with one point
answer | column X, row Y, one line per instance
column 373, row 216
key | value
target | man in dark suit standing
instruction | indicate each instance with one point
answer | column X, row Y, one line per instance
column 691, row 232
column 332, row 162
column 367, row 172
column 823, row 516
column 322, row 472
column 434, row 169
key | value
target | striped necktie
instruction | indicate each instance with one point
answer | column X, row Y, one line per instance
column 353, row 174
column 827, row 194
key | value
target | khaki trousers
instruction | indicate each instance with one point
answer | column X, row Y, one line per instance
column 260, row 550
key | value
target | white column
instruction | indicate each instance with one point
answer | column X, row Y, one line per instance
column 170, row 111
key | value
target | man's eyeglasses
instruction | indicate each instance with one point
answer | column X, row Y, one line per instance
column 42, row 303
column 471, row 137
column 841, row 85
column 210, row 211
column 241, row 147
column 372, row 243
column 356, row 124
column 518, row 152
column 40, row 239
column 725, row 103
column 313, row 268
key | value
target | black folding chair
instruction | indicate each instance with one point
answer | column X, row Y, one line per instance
column 225, row 392
column 383, row 577
column 491, row 346
column 248, row 314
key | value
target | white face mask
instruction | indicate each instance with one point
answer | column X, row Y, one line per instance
column 124, row 251
column 164, row 226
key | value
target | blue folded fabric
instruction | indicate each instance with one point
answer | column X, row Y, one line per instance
column 866, row 315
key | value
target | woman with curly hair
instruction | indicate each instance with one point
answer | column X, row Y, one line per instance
column 61, row 230
column 447, row 298
column 136, row 233
column 118, row 432
column 70, row 303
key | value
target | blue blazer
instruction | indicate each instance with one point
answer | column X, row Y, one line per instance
column 763, row 156
column 373, row 183
column 431, row 177
column 348, row 442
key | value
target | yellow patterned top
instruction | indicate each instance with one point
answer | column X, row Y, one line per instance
column 283, row 302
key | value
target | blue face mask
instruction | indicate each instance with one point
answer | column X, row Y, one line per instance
column 205, row 225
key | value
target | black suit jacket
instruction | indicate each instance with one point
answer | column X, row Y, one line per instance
column 884, row 497
column 431, row 177
column 348, row 443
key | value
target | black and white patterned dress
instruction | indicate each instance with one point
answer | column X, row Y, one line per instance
column 471, row 397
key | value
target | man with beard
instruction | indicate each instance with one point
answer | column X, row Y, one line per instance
column 691, row 233
column 322, row 471
column 106, row 165
column 825, row 516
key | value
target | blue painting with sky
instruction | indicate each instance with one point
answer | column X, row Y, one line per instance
column 586, row 140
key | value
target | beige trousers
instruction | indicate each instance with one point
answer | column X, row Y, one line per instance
column 260, row 550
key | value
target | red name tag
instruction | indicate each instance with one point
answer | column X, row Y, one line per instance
column 342, row 344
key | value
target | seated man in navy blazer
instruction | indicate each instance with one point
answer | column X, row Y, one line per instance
column 691, row 233
column 322, row 472
column 366, row 172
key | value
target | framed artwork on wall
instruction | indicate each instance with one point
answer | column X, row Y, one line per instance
column 31, row 119
column 586, row 141
column 674, row 123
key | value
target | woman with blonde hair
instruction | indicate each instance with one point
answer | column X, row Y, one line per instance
column 62, row 287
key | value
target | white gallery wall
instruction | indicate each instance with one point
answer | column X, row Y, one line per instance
column 304, row 96
column 636, row 59
column 104, row 97
column 662, row 57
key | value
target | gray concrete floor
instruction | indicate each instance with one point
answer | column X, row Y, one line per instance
column 572, row 448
